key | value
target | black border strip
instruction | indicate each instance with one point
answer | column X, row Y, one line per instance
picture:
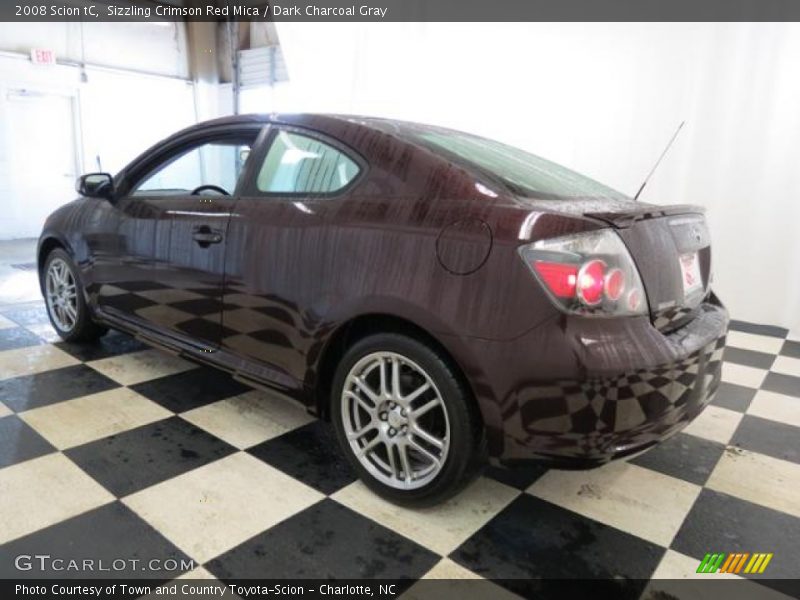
column 404, row 10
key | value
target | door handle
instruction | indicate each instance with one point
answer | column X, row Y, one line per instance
column 205, row 236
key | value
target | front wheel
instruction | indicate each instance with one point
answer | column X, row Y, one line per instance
column 65, row 301
column 404, row 419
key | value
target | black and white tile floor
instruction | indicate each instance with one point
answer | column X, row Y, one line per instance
column 118, row 450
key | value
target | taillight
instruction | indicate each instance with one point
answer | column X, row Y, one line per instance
column 588, row 273
column 560, row 278
column 591, row 281
column 614, row 284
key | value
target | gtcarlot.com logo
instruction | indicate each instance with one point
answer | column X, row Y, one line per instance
column 46, row 562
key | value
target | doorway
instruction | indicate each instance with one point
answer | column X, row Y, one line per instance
column 42, row 156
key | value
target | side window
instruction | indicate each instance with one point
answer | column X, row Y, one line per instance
column 297, row 164
column 217, row 164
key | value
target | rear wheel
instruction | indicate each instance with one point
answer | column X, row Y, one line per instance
column 404, row 419
column 65, row 301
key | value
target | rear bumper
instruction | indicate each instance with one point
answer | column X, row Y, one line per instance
column 578, row 392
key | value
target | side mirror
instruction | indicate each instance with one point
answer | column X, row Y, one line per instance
column 95, row 185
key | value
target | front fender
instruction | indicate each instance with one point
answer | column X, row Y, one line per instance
column 58, row 231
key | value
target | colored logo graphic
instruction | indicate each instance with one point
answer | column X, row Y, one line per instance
column 734, row 563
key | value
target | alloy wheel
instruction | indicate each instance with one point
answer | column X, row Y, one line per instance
column 395, row 420
column 62, row 295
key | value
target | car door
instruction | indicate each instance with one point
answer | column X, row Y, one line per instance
column 174, row 220
column 278, row 248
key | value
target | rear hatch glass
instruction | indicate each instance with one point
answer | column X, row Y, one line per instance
column 524, row 173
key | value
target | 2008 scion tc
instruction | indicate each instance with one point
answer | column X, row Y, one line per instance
column 438, row 296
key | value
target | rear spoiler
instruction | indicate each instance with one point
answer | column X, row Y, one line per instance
column 626, row 218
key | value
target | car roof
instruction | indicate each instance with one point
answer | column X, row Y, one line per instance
column 322, row 121
column 278, row 118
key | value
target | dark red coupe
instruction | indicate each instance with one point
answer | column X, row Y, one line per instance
column 438, row 296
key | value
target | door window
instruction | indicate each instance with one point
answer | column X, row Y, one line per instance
column 216, row 164
column 298, row 164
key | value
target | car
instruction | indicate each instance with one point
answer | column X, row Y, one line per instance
column 445, row 300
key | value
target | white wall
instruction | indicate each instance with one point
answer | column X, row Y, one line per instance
column 155, row 47
column 118, row 113
column 603, row 99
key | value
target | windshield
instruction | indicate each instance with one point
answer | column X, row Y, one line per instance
column 526, row 173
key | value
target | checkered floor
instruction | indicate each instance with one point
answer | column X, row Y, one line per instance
column 117, row 450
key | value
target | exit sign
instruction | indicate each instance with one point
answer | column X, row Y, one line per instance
column 43, row 56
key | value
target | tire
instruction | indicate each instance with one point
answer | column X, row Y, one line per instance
column 363, row 412
column 68, row 313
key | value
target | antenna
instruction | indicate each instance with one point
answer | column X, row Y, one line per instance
column 658, row 162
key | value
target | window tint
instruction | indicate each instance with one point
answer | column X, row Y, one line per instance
column 522, row 170
column 300, row 164
column 216, row 164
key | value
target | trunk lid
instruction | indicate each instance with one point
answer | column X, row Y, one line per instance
column 671, row 247
column 657, row 237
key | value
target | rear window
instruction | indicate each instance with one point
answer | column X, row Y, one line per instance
column 526, row 173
